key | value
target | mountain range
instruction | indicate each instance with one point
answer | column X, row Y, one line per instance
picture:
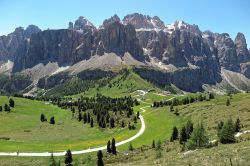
column 177, row 54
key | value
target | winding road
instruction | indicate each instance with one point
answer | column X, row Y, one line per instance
column 31, row 154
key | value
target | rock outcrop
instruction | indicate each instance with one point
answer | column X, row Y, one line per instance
column 142, row 21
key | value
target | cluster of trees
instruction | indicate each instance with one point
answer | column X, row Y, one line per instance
column 184, row 134
column 157, row 147
column 184, row 101
column 7, row 107
column 111, row 148
column 197, row 138
column 226, row 130
column 44, row 119
column 192, row 137
column 101, row 110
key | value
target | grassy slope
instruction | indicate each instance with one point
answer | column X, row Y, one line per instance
column 27, row 133
column 159, row 123
column 121, row 86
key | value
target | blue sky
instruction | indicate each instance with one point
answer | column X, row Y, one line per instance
column 230, row 16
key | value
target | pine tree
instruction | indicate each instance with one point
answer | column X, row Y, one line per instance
column 135, row 119
column 130, row 147
column 68, row 158
column 99, row 158
column 42, row 118
column 158, row 145
column 171, row 108
column 91, row 122
column 89, row 119
column 52, row 160
column 52, row 120
column 174, row 135
column 85, row 118
column 198, row 137
column 183, row 135
column 228, row 102
column 123, row 124
column 109, row 147
column 138, row 114
column 237, row 125
column 112, row 122
column 79, row 116
column 11, row 103
column 226, row 134
column 153, row 144
column 211, row 96
column 189, row 128
column 113, row 147
column 6, row 108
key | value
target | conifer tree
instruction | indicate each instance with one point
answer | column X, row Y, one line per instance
column 189, row 128
column 68, row 158
column 198, row 138
column 237, row 125
column 130, row 147
column 109, row 147
column 226, row 134
column 91, row 122
column 174, row 135
column 153, row 144
column 183, row 135
column 113, row 147
column 52, row 120
column 228, row 102
column 99, row 158
column 11, row 103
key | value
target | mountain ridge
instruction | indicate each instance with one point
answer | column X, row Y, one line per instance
column 190, row 57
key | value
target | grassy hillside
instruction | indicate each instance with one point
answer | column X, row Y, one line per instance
column 159, row 123
column 22, row 130
column 123, row 84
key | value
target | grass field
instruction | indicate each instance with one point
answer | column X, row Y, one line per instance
column 26, row 133
column 159, row 123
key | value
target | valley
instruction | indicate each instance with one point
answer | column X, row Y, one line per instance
column 85, row 83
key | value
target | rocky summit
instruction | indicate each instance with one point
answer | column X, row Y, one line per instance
column 177, row 54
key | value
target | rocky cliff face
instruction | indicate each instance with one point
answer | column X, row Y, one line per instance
column 177, row 53
column 68, row 46
column 10, row 43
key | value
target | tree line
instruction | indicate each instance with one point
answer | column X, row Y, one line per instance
column 184, row 101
